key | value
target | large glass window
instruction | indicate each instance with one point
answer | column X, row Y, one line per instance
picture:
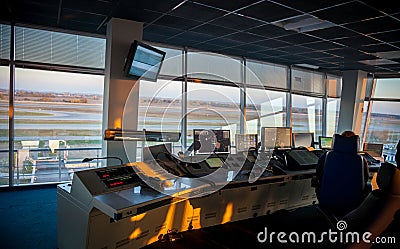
column 172, row 65
column 387, row 88
column 213, row 107
column 44, row 46
column 5, row 36
column 272, row 75
column 308, row 81
column 332, row 115
column 213, row 67
column 307, row 114
column 58, row 119
column 4, row 98
column 384, row 126
column 264, row 109
column 160, row 109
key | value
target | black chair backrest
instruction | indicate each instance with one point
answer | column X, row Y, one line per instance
column 342, row 182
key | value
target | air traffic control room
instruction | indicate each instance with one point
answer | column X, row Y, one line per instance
column 199, row 124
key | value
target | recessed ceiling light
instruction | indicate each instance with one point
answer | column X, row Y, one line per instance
column 303, row 23
column 307, row 65
column 378, row 62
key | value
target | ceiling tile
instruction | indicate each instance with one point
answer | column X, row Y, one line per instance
column 376, row 48
column 227, row 5
column 272, row 43
column 332, row 33
column 307, row 6
column 196, row 12
column 236, row 22
column 213, row 30
column 176, row 22
column 391, row 36
column 375, row 25
column 269, row 12
column 349, row 12
column 296, row 49
column 388, row 7
column 322, row 45
column 270, row 31
column 356, row 41
column 299, row 39
column 244, row 37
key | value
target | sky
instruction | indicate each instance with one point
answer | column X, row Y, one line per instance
column 52, row 81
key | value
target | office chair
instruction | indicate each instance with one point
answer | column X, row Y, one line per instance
column 342, row 182
column 380, row 208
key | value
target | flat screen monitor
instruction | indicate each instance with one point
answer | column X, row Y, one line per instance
column 211, row 141
column 276, row 137
column 374, row 150
column 325, row 143
column 143, row 62
column 246, row 141
column 303, row 139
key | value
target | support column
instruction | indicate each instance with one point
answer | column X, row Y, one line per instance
column 120, row 35
column 352, row 101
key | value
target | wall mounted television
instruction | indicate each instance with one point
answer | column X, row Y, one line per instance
column 143, row 62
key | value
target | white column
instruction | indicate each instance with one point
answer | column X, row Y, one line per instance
column 120, row 34
column 352, row 101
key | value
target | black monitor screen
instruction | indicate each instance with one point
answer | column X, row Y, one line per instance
column 211, row 141
column 245, row 141
column 303, row 140
column 143, row 62
column 276, row 137
column 373, row 149
column 325, row 142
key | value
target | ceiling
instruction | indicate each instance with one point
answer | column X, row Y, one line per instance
column 332, row 35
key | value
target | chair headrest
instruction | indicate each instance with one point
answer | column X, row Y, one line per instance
column 385, row 175
column 346, row 144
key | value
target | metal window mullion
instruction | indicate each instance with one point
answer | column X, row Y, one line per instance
column 184, row 100
column 243, row 109
column 325, row 107
column 11, row 109
column 289, row 98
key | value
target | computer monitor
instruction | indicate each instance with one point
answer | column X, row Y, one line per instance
column 246, row 141
column 143, row 61
column 211, row 141
column 325, row 143
column 374, row 150
column 305, row 139
column 276, row 137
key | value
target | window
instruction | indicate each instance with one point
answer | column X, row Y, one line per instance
column 160, row 109
column 44, row 46
column 213, row 67
column 172, row 65
column 5, row 36
column 58, row 118
column 265, row 74
column 213, row 107
column 332, row 115
column 264, row 109
column 387, row 88
column 307, row 81
column 4, row 98
column 382, row 125
column 307, row 114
